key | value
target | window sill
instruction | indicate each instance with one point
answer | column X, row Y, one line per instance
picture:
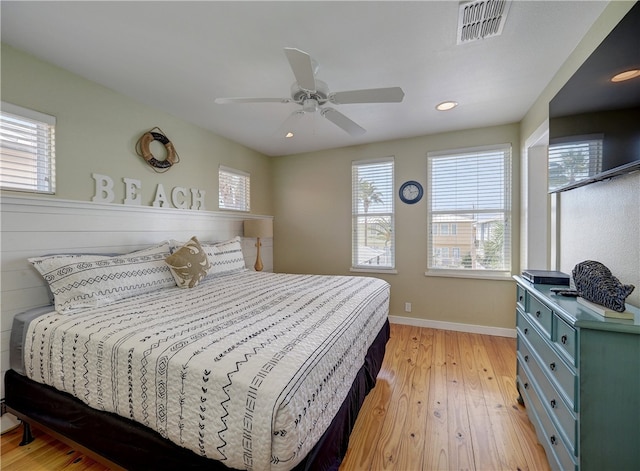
column 235, row 210
column 479, row 275
column 386, row 271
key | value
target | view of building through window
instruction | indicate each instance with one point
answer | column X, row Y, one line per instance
column 469, row 210
column 27, row 150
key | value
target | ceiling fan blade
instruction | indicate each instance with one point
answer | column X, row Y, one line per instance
column 372, row 95
column 342, row 121
column 302, row 67
column 226, row 101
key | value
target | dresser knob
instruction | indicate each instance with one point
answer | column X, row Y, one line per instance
column 526, row 330
column 538, row 313
column 553, row 439
column 526, row 385
column 564, row 339
column 553, row 403
column 526, row 358
column 552, row 366
column 520, row 298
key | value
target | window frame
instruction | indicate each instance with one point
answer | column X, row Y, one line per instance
column 42, row 169
column 356, row 214
column 244, row 205
column 506, row 210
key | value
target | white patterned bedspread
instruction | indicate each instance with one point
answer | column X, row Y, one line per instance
column 248, row 369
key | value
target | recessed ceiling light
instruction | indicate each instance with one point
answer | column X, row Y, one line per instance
column 446, row 105
column 626, row 75
column 289, row 135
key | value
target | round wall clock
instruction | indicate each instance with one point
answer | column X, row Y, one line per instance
column 411, row 192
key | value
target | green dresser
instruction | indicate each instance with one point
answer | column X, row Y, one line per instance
column 579, row 379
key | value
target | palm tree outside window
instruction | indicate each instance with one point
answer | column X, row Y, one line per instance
column 373, row 215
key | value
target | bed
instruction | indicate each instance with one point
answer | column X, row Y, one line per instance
column 233, row 369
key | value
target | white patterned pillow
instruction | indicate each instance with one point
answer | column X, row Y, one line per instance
column 189, row 264
column 86, row 281
column 225, row 257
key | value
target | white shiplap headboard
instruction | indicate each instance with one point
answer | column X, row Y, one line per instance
column 32, row 226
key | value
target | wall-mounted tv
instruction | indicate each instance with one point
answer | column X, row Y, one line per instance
column 594, row 122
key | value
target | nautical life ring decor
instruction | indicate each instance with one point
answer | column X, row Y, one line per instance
column 142, row 149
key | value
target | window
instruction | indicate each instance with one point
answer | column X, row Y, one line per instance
column 373, row 215
column 234, row 189
column 27, row 150
column 573, row 159
column 470, row 193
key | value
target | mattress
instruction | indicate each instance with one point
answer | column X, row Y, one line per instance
column 19, row 331
column 248, row 369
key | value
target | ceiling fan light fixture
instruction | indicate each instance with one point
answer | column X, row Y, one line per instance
column 310, row 105
column 626, row 75
column 288, row 135
column 446, row 105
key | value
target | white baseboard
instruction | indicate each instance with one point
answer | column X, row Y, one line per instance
column 470, row 328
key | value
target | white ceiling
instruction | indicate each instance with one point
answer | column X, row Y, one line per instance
column 180, row 56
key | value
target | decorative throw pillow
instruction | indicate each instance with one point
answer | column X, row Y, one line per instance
column 225, row 257
column 86, row 281
column 189, row 264
column 595, row 283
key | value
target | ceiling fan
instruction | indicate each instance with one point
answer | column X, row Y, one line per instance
column 313, row 94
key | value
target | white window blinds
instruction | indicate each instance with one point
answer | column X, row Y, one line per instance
column 373, row 214
column 27, row 150
column 573, row 160
column 469, row 189
column 234, row 189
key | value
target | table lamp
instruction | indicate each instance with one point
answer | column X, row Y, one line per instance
column 258, row 228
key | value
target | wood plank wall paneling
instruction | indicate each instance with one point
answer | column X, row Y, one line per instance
column 35, row 226
column 444, row 400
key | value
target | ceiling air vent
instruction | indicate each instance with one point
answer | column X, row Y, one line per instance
column 481, row 19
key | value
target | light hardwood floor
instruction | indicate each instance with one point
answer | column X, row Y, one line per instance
column 444, row 401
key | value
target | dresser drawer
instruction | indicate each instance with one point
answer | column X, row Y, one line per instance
column 563, row 417
column 541, row 314
column 521, row 298
column 565, row 338
column 559, row 456
column 551, row 364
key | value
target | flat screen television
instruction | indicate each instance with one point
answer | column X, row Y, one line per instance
column 594, row 122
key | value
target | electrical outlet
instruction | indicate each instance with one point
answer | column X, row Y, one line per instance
column 407, row 307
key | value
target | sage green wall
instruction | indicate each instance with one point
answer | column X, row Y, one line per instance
column 599, row 221
column 97, row 130
column 312, row 200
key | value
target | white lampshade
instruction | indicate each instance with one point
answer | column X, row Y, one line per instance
column 262, row 228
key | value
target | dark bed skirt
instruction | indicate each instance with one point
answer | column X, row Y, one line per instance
column 136, row 447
